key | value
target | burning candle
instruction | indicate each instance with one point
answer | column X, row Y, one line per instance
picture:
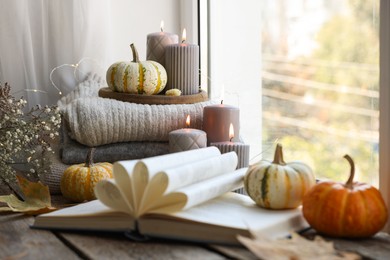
column 182, row 66
column 241, row 149
column 186, row 138
column 156, row 43
column 216, row 122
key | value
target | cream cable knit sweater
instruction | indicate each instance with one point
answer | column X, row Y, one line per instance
column 95, row 121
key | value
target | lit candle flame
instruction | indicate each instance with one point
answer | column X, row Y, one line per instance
column 188, row 120
column 231, row 132
column 184, row 36
column 162, row 25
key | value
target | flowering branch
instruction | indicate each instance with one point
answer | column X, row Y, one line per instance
column 25, row 137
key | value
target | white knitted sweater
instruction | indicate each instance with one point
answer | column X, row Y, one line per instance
column 95, row 121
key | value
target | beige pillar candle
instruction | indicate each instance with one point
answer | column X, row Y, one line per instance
column 186, row 139
column 216, row 122
column 182, row 66
column 156, row 43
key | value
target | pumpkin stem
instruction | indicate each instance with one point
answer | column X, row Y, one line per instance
column 135, row 53
column 349, row 183
column 278, row 158
column 89, row 159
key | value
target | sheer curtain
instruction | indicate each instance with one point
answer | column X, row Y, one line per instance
column 39, row 35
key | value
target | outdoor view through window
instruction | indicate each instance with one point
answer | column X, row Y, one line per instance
column 320, row 84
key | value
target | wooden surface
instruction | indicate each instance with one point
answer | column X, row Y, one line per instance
column 154, row 99
column 19, row 241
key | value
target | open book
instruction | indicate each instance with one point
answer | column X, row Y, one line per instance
column 182, row 196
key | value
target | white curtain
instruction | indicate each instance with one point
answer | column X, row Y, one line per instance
column 37, row 36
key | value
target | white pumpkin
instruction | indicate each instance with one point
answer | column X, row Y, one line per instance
column 136, row 77
column 276, row 184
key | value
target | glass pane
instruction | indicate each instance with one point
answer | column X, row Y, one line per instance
column 320, row 84
column 235, row 63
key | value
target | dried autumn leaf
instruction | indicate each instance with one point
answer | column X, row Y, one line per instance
column 295, row 248
column 37, row 198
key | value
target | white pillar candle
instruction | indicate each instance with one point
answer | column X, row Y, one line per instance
column 182, row 66
column 216, row 122
column 186, row 139
column 156, row 43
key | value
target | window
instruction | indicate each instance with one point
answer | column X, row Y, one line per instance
column 304, row 73
column 364, row 126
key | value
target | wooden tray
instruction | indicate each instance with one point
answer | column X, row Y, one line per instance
column 153, row 99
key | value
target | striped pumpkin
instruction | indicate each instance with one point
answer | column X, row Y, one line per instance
column 136, row 77
column 278, row 185
column 78, row 181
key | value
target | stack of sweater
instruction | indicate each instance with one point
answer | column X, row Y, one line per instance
column 118, row 130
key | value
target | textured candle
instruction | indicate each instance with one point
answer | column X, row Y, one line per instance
column 156, row 43
column 186, row 139
column 216, row 122
column 182, row 66
column 241, row 149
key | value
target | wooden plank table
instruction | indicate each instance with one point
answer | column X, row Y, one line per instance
column 19, row 241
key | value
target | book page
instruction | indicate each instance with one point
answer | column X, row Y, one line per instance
column 172, row 179
column 239, row 211
column 212, row 188
column 107, row 191
column 197, row 193
column 92, row 215
column 122, row 175
column 145, row 169
column 90, row 208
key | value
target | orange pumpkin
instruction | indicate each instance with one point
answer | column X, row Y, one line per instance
column 350, row 210
column 78, row 181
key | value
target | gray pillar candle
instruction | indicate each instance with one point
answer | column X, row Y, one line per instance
column 241, row 149
column 156, row 43
column 217, row 120
column 186, row 138
column 182, row 66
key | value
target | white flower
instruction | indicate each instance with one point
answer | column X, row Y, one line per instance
column 47, row 110
column 32, row 170
column 9, row 101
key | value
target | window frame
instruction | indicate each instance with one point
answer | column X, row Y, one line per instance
column 384, row 71
column 384, row 104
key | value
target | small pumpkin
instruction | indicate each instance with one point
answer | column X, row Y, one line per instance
column 276, row 184
column 350, row 210
column 136, row 77
column 78, row 181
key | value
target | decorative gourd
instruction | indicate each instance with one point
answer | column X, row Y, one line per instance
column 78, row 181
column 350, row 210
column 136, row 77
column 278, row 185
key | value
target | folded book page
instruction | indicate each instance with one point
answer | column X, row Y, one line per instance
column 139, row 184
